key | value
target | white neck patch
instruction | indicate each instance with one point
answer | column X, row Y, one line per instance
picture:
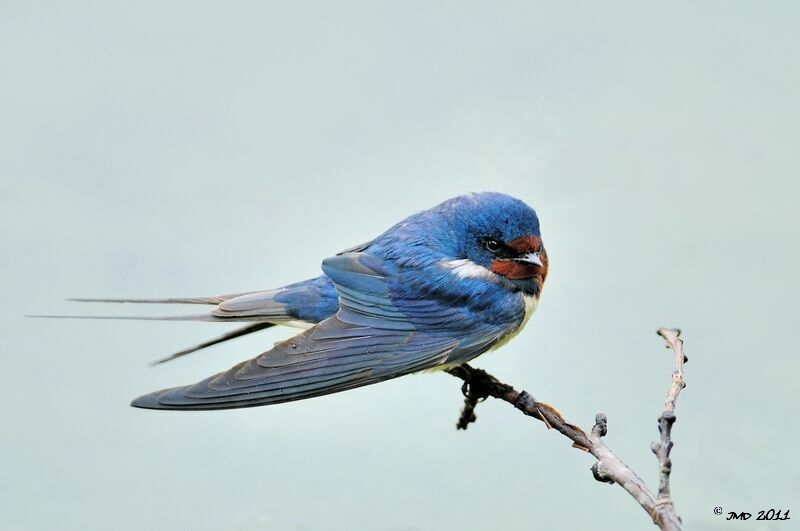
column 466, row 268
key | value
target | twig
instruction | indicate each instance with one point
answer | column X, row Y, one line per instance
column 478, row 385
column 667, row 419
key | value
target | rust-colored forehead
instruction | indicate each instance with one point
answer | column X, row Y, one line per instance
column 526, row 244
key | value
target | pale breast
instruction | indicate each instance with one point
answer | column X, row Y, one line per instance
column 531, row 302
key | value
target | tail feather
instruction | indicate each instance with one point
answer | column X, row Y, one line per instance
column 239, row 332
column 192, row 317
column 171, row 300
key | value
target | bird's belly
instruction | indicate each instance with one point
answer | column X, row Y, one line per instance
column 531, row 302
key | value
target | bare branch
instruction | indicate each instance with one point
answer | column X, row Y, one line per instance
column 667, row 419
column 478, row 385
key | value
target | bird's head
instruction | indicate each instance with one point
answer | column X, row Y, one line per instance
column 500, row 236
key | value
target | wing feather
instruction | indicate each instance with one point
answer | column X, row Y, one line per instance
column 370, row 339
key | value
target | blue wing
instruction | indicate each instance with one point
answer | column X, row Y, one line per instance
column 392, row 321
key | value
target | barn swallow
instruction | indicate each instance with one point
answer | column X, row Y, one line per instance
column 432, row 292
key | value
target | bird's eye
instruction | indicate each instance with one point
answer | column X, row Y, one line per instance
column 492, row 245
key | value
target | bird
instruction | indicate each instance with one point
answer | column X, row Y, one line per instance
column 432, row 292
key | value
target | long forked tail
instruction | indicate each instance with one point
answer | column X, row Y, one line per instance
column 299, row 305
column 239, row 332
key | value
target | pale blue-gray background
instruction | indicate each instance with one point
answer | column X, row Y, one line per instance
column 192, row 148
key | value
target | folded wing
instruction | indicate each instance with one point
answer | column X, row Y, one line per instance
column 370, row 339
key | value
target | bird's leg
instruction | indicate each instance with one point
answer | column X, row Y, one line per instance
column 478, row 385
column 476, row 388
